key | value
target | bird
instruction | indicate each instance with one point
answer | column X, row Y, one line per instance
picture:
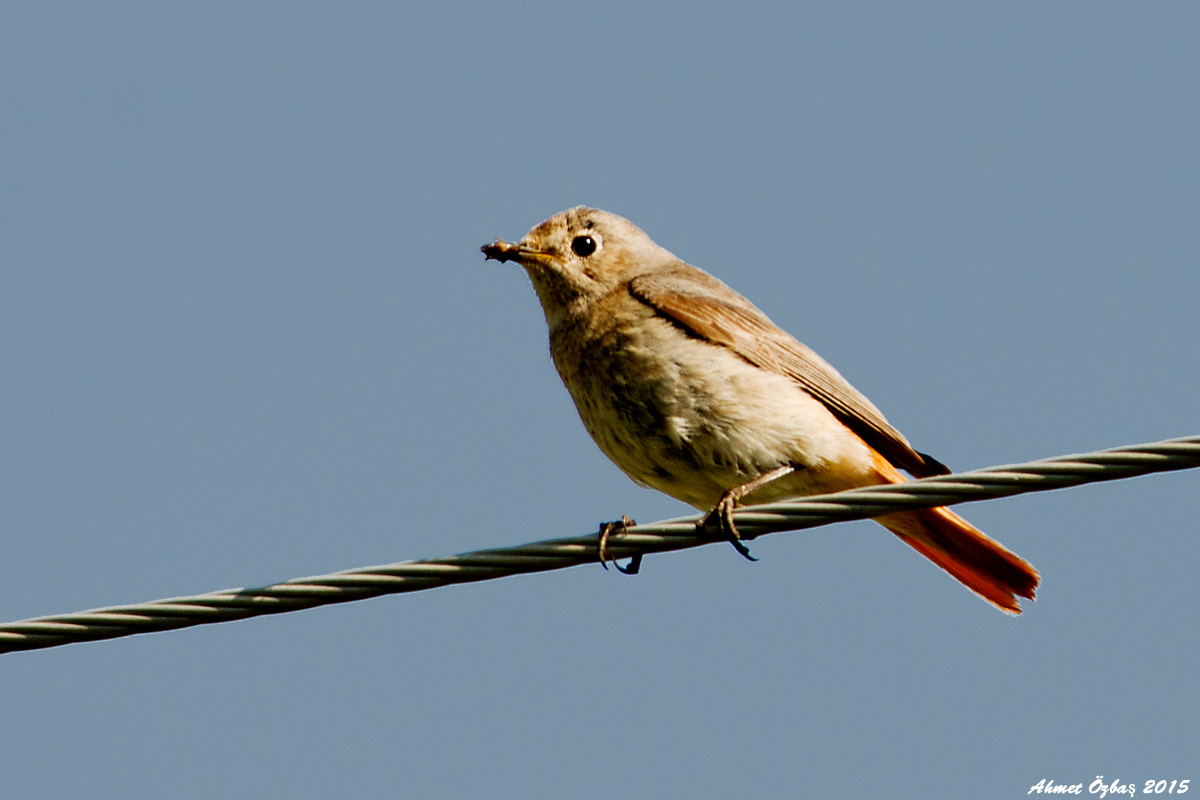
column 690, row 389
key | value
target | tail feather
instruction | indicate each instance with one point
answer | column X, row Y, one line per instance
column 980, row 563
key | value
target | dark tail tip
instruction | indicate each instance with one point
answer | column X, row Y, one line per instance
column 934, row 466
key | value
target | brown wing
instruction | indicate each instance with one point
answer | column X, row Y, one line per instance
column 710, row 310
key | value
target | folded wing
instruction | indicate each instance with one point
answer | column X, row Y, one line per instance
column 707, row 309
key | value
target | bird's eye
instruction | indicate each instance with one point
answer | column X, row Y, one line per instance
column 583, row 246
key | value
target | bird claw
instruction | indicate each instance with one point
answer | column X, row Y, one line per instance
column 606, row 530
column 722, row 515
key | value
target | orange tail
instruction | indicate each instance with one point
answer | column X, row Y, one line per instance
column 980, row 563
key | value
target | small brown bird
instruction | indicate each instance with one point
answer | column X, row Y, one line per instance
column 693, row 391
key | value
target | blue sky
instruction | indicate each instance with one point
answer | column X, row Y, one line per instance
column 247, row 335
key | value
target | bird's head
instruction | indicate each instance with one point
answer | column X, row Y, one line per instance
column 579, row 256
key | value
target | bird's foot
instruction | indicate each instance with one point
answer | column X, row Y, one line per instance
column 722, row 513
column 607, row 529
column 721, row 517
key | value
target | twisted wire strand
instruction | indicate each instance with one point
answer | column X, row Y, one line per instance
column 668, row 535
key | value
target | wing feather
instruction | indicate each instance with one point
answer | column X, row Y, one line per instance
column 708, row 309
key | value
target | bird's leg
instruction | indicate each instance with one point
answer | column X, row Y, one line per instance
column 722, row 513
column 606, row 530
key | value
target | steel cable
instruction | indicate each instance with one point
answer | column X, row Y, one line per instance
column 676, row 534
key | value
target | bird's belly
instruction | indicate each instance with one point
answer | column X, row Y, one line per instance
column 694, row 420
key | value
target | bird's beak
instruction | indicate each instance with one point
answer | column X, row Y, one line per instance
column 502, row 251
